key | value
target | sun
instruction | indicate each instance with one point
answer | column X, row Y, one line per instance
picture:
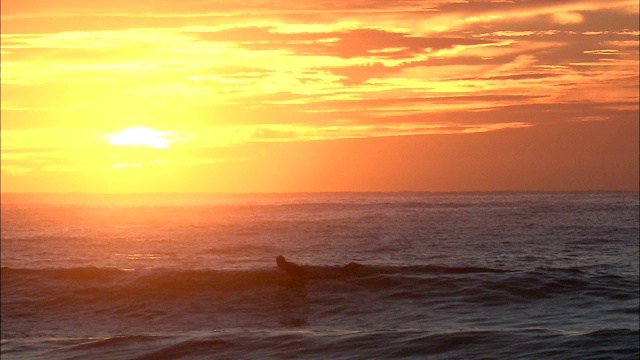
column 140, row 147
column 141, row 136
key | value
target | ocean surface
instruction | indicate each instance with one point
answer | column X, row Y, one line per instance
column 432, row 275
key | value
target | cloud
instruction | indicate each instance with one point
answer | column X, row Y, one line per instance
column 341, row 60
column 568, row 18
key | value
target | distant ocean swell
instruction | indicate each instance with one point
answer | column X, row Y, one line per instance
column 89, row 286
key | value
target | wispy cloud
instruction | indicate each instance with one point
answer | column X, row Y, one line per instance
column 276, row 71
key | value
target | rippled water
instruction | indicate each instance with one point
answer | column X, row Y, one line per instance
column 486, row 275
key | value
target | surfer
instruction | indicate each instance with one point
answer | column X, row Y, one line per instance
column 294, row 270
column 292, row 294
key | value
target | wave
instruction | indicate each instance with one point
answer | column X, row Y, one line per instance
column 525, row 343
column 354, row 311
column 66, row 285
column 258, row 275
column 476, row 284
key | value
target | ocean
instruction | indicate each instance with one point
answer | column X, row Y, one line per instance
column 506, row 275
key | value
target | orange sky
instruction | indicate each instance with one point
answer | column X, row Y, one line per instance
column 276, row 96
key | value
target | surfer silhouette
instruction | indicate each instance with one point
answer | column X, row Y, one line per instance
column 292, row 294
column 294, row 270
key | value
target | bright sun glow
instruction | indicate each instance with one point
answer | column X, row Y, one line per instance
column 263, row 96
column 141, row 136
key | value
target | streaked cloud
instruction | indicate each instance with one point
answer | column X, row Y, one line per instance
column 226, row 74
